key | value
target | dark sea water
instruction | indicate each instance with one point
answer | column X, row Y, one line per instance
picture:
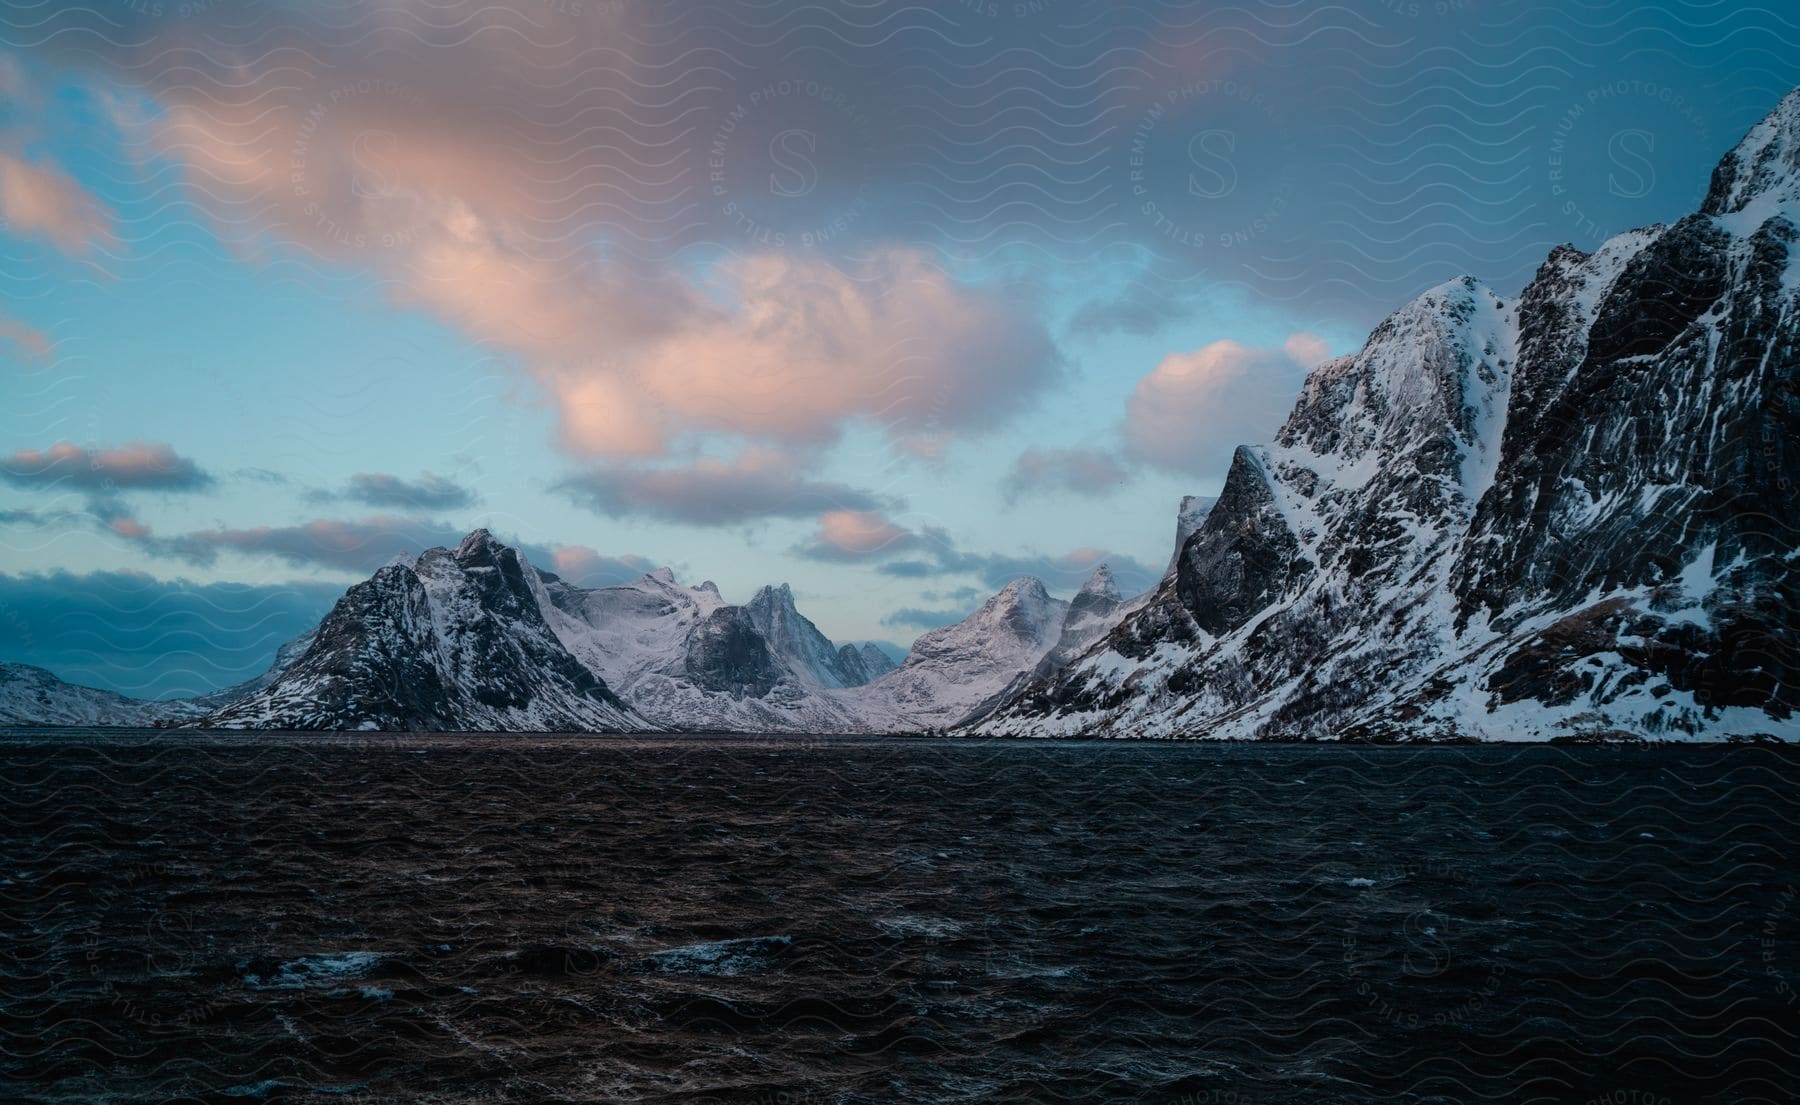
column 463, row 919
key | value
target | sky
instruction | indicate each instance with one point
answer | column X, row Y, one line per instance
column 891, row 301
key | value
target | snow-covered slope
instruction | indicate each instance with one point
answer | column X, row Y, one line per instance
column 686, row 659
column 33, row 696
column 1569, row 514
column 952, row 672
column 284, row 659
column 457, row 641
column 1092, row 612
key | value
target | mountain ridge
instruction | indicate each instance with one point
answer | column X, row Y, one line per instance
column 1534, row 518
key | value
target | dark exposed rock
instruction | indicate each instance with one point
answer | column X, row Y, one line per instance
column 726, row 653
column 1243, row 557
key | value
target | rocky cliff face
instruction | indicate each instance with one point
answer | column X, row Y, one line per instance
column 807, row 652
column 1565, row 515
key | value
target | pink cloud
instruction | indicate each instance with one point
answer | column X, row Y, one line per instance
column 1082, row 471
column 31, row 342
column 1305, row 349
column 558, row 236
column 42, row 201
column 590, row 568
column 857, row 535
column 1193, row 409
column 759, row 483
column 150, row 466
column 798, row 347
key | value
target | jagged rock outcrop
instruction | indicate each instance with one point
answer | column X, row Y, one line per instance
column 808, row 653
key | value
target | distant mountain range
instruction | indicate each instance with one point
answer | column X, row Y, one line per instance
column 1569, row 514
column 478, row 639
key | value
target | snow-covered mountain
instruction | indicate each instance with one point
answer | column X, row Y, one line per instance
column 686, row 659
column 799, row 643
column 864, row 663
column 951, row 672
column 1568, row 514
column 477, row 638
column 456, row 641
column 33, row 696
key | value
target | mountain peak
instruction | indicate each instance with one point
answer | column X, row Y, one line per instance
column 479, row 543
column 1412, row 386
column 1025, row 587
column 773, row 596
column 1763, row 170
column 1100, row 583
column 664, row 574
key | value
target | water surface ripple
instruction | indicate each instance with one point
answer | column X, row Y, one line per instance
column 458, row 919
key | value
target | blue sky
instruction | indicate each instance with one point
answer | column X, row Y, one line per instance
column 889, row 301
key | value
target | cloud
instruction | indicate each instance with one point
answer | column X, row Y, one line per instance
column 14, row 85
column 571, row 242
column 29, row 342
column 1081, row 471
column 1064, row 572
column 1306, row 350
column 1143, row 305
column 790, row 350
column 914, row 617
column 42, row 201
column 586, row 567
column 849, row 536
column 1189, row 413
column 428, row 492
column 710, row 492
column 151, row 638
column 358, row 546
column 970, row 597
column 929, row 552
column 138, row 466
